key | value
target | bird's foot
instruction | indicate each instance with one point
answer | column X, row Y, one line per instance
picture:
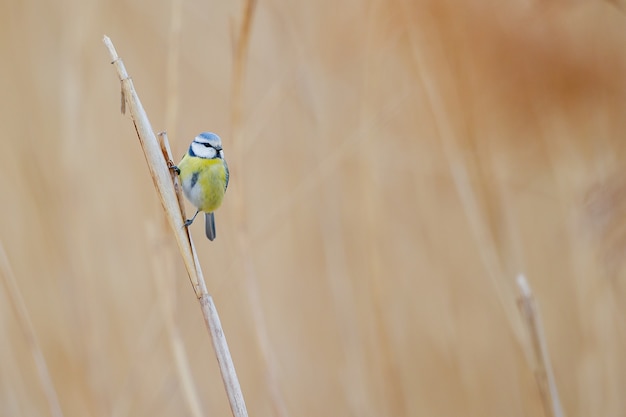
column 173, row 167
column 189, row 221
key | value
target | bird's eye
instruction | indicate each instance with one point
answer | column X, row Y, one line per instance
column 206, row 145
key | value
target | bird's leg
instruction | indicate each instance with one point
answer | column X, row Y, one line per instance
column 189, row 221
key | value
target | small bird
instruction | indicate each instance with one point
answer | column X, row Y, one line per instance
column 204, row 175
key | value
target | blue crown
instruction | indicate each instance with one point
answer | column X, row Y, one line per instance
column 209, row 136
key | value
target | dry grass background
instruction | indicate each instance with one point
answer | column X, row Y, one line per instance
column 398, row 163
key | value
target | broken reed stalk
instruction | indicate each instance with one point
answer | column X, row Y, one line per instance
column 543, row 369
column 158, row 157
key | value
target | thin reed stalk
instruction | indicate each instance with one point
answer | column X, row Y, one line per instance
column 21, row 312
column 542, row 367
column 162, row 270
column 159, row 162
column 240, row 52
column 239, row 66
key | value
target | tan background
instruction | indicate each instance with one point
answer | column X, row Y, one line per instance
column 398, row 164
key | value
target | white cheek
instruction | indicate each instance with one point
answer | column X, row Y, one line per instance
column 222, row 154
column 210, row 153
column 202, row 151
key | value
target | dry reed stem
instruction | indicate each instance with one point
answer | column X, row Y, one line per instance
column 239, row 62
column 240, row 53
column 543, row 369
column 487, row 248
column 23, row 318
column 162, row 269
column 165, row 149
column 173, row 57
column 170, row 199
column 389, row 367
column 460, row 172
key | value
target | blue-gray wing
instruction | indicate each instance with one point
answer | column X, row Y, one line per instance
column 227, row 175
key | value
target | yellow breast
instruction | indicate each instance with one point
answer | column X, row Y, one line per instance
column 204, row 181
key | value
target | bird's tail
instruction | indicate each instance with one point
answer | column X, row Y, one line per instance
column 209, row 225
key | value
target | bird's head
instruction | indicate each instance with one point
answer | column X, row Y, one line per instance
column 207, row 145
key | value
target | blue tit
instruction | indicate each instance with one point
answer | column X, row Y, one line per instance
column 204, row 176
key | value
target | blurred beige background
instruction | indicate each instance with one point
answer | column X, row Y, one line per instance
column 398, row 163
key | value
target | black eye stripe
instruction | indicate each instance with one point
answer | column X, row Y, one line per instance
column 209, row 145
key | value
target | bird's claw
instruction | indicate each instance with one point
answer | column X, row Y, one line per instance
column 173, row 167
